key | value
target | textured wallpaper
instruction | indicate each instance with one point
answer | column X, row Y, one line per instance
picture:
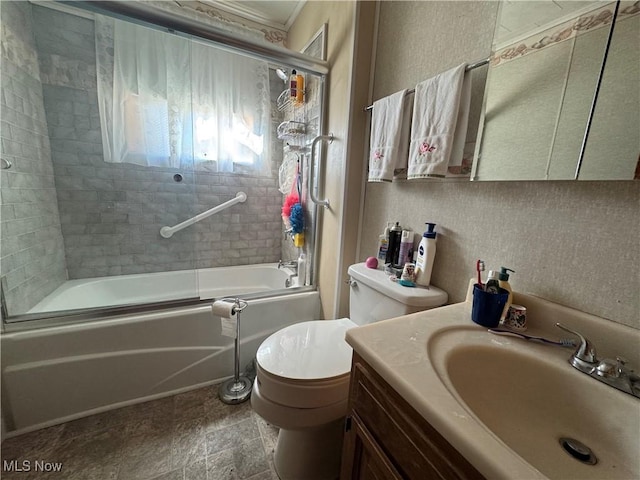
column 575, row 243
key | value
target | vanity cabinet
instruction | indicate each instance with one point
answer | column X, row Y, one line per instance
column 385, row 438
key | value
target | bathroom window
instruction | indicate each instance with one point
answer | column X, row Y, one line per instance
column 168, row 101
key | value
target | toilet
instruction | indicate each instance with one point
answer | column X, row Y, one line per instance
column 302, row 374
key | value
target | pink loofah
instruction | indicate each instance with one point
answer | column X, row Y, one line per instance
column 289, row 201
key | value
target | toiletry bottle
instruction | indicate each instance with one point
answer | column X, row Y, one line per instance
column 302, row 269
column 426, row 255
column 503, row 281
column 293, row 86
column 406, row 247
column 492, row 285
column 383, row 245
column 299, row 90
column 393, row 251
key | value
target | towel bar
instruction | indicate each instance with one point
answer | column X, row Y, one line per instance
column 471, row 66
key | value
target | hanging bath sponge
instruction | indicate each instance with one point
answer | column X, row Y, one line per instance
column 297, row 218
column 289, row 201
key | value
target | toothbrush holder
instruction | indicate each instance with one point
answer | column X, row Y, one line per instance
column 487, row 307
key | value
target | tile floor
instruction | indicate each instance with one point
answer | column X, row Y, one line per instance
column 190, row 436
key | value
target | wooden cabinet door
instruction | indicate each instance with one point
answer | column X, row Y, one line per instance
column 364, row 459
column 388, row 439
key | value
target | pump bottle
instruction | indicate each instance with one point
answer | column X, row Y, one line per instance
column 503, row 281
column 426, row 255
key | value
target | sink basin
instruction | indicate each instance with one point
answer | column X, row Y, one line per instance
column 529, row 397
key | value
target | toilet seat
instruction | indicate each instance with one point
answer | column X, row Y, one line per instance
column 306, row 365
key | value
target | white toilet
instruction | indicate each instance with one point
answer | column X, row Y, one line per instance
column 302, row 381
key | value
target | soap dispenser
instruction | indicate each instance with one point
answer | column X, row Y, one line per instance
column 426, row 255
column 503, row 282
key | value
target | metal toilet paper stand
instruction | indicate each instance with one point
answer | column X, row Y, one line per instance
column 238, row 388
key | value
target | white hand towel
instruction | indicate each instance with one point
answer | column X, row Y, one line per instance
column 462, row 152
column 440, row 117
column 388, row 153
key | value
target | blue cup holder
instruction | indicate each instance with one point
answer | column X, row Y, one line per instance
column 487, row 307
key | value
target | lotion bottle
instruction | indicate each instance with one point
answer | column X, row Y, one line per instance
column 426, row 255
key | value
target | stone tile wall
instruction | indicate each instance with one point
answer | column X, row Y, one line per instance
column 32, row 262
column 111, row 214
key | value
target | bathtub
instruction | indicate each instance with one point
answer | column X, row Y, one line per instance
column 56, row 374
column 158, row 287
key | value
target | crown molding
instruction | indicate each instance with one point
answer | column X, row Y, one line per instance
column 243, row 10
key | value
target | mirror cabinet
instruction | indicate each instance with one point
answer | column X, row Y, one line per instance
column 562, row 98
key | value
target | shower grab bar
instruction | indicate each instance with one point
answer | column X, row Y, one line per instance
column 6, row 164
column 313, row 186
column 167, row 232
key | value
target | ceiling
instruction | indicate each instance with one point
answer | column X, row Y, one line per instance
column 518, row 17
column 278, row 14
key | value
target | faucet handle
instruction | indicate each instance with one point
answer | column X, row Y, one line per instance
column 611, row 368
column 585, row 353
column 620, row 364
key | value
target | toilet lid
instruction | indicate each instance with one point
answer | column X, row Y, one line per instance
column 308, row 350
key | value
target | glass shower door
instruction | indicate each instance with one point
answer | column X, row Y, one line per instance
column 81, row 221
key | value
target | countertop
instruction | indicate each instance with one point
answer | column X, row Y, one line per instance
column 397, row 350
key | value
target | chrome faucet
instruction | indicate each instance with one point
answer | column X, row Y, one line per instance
column 291, row 264
column 614, row 373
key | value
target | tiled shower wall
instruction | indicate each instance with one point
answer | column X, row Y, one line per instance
column 111, row 214
column 32, row 262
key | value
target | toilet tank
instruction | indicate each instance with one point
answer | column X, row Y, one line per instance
column 374, row 297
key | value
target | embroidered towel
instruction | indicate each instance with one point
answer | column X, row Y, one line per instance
column 388, row 153
column 439, row 123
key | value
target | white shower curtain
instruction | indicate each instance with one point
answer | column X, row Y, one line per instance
column 173, row 102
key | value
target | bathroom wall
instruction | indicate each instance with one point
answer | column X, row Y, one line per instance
column 32, row 262
column 575, row 243
column 340, row 17
column 111, row 214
